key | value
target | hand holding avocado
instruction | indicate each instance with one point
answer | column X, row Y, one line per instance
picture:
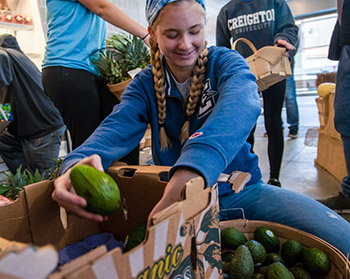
column 65, row 195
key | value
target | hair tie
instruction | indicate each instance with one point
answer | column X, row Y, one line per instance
column 144, row 37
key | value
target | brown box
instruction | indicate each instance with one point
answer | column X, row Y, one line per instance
column 330, row 152
column 185, row 231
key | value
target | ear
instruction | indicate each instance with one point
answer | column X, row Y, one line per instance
column 152, row 34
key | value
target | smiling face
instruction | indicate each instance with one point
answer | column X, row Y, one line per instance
column 179, row 32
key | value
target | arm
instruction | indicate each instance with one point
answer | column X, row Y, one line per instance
column 286, row 29
column 112, row 14
column 172, row 192
column 118, row 134
column 5, row 69
column 222, row 34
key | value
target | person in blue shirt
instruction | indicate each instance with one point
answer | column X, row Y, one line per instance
column 76, row 33
column 201, row 104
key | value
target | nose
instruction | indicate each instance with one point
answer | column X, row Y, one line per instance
column 184, row 42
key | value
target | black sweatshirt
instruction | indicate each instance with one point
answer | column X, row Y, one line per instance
column 262, row 22
column 34, row 114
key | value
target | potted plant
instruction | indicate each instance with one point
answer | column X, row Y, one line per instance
column 123, row 54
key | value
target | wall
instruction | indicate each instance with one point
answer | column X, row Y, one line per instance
column 301, row 7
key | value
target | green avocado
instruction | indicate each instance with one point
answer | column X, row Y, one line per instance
column 241, row 265
column 136, row 236
column 98, row 189
column 278, row 270
column 231, row 238
column 267, row 238
column 257, row 250
column 273, row 258
column 316, row 262
column 291, row 252
column 300, row 273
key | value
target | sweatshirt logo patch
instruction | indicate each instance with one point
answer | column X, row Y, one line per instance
column 251, row 22
column 196, row 135
column 207, row 101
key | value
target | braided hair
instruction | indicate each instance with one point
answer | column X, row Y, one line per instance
column 196, row 88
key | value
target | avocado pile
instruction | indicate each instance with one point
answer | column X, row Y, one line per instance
column 264, row 257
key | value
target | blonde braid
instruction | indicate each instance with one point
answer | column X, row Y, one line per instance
column 196, row 88
column 160, row 93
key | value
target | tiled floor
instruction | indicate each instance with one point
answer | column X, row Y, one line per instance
column 299, row 172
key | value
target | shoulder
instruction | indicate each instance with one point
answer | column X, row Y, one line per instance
column 4, row 56
column 223, row 55
column 142, row 83
column 227, row 7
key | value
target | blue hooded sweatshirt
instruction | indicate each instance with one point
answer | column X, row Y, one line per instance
column 226, row 112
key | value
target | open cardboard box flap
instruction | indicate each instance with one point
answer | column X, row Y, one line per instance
column 15, row 220
column 187, row 228
column 182, row 238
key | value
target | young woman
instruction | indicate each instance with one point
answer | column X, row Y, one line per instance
column 264, row 23
column 202, row 104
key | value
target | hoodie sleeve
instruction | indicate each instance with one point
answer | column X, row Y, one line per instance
column 224, row 133
column 119, row 133
column 286, row 28
column 5, row 69
column 222, row 33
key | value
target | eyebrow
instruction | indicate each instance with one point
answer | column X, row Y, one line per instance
column 176, row 30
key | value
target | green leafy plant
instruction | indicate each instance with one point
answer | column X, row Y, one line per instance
column 12, row 184
column 123, row 53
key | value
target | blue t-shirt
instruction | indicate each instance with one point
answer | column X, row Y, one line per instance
column 74, row 35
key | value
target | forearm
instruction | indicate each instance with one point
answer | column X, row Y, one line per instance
column 115, row 16
column 172, row 192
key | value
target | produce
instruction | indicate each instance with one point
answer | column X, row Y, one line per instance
column 136, row 236
column 98, row 189
column 300, row 273
column 267, row 238
column 316, row 261
column 278, row 271
column 291, row 252
column 241, row 266
column 273, row 258
column 232, row 238
column 293, row 262
column 257, row 250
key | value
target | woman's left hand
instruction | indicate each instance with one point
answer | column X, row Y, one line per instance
column 285, row 44
column 172, row 192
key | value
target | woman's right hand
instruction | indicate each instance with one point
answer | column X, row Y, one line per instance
column 66, row 197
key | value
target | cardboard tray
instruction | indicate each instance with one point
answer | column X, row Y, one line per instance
column 183, row 239
column 340, row 266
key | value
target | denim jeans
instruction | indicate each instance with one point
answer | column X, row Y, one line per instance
column 342, row 110
column 270, row 203
column 290, row 101
column 32, row 154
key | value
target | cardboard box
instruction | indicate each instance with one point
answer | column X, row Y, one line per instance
column 184, row 238
column 330, row 152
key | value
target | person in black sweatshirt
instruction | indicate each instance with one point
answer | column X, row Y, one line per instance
column 32, row 140
column 264, row 23
column 339, row 49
